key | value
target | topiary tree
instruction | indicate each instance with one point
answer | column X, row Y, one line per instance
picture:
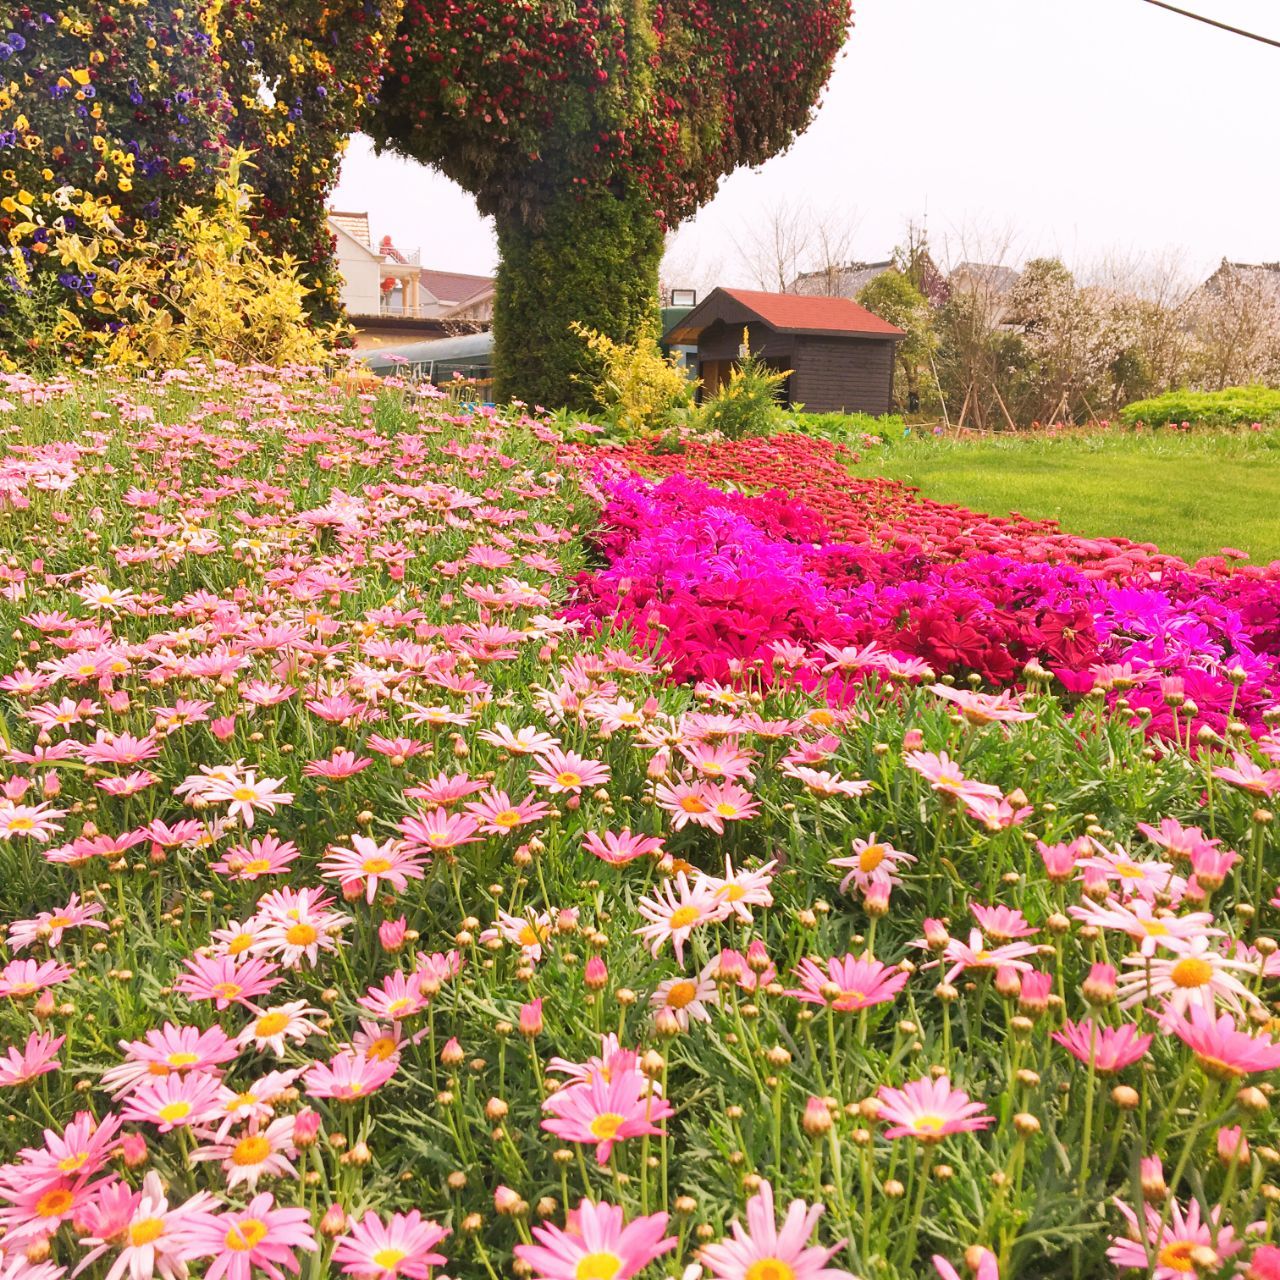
column 586, row 129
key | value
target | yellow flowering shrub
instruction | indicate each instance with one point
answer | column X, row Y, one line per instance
column 211, row 290
column 635, row 383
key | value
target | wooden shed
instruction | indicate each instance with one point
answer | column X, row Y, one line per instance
column 840, row 354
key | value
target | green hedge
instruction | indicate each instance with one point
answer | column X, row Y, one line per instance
column 1231, row 407
column 848, row 428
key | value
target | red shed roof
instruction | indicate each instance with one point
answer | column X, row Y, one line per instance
column 784, row 312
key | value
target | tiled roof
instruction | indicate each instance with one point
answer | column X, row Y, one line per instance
column 453, row 286
column 356, row 225
column 797, row 313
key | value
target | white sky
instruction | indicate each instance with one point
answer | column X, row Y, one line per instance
column 1077, row 127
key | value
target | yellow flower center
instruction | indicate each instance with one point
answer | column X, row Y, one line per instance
column 928, row 1124
column 59, row 922
column 146, row 1231
column 71, row 1164
column 1191, row 971
column 182, row 1058
column 770, row 1269
column 256, row 865
column 251, row 1150
column 870, row 858
column 682, row 994
column 376, row 866
column 508, row 818
column 227, row 990
column 529, row 936
column 569, row 779
column 683, row 917
column 1128, row 871
column 271, row 1024
column 1177, row 1256
column 726, row 810
column 23, row 823
column 244, row 793
column 821, row 718
column 693, row 804
column 172, row 1112
column 597, row 1266
column 381, row 1049
column 388, row 1257
column 301, row 934
column 606, row 1125
column 1155, row 928
column 246, row 1234
column 239, row 944
column 54, row 1203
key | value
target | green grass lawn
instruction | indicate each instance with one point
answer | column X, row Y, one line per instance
column 1191, row 494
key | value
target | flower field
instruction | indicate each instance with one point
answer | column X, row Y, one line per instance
column 428, row 848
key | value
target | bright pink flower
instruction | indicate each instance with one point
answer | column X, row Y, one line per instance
column 862, row 981
column 348, row 1076
column 37, row 1057
column 225, row 981
column 1222, row 1049
column 620, row 847
column 403, row 1245
column 598, row 1243
column 1110, row 1049
column 929, row 1110
column 1171, row 1242
column 370, row 862
column 240, row 1240
column 763, row 1249
column 174, row 1102
column 606, row 1111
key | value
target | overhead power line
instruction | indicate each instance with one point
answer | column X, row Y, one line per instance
column 1213, row 22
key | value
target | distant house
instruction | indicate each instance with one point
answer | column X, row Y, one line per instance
column 387, row 292
column 358, row 263
column 451, row 295
column 840, row 356
column 848, row 280
column 1262, row 278
column 989, row 284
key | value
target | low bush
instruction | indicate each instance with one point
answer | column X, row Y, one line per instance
column 634, row 383
column 748, row 404
column 1230, row 407
column 849, row 428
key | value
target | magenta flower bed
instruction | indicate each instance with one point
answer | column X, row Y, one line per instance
column 720, row 581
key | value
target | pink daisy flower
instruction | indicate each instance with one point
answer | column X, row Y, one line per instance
column 403, row 1245
column 621, row 847
column 370, row 862
column 929, row 1110
column 20, row 979
column 175, row 1102
column 48, row 926
column 606, row 1111
column 37, row 1057
column 499, row 815
column 1110, row 1049
column 763, row 1249
column 872, row 860
column 599, row 1243
column 859, row 981
column 1197, row 975
column 226, row 981
column 169, row 1050
column 240, row 1240
column 439, row 829
column 1171, row 1242
column 348, row 1076
column 269, row 856
column 1221, row 1048
column 143, row 1227
column 675, row 910
column 566, row 772
column 259, row 1153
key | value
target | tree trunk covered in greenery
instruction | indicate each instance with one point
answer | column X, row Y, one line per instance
column 593, row 259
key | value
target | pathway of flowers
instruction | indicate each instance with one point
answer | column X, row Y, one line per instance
column 376, row 901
